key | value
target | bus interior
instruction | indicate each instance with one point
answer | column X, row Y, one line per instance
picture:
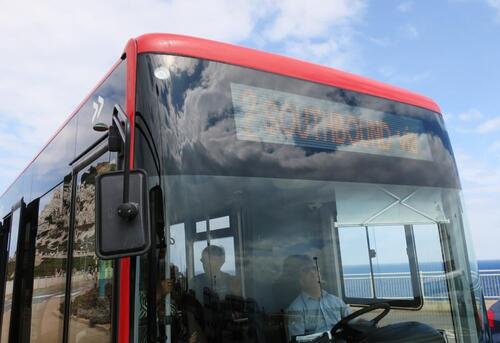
column 354, row 232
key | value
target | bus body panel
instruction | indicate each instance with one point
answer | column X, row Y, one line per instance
column 124, row 287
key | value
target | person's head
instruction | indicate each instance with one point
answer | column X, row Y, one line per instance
column 212, row 258
column 307, row 273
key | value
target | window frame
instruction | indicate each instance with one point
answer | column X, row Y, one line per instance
column 33, row 240
column 4, row 245
column 98, row 151
column 17, row 294
column 408, row 304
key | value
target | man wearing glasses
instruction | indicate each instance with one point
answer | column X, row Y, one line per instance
column 314, row 310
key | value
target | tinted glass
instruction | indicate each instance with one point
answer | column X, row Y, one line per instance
column 49, row 272
column 91, row 278
column 10, row 273
column 292, row 164
column 226, row 120
column 4, row 241
column 99, row 108
column 52, row 165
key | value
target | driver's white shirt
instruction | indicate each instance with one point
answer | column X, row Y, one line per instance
column 307, row 315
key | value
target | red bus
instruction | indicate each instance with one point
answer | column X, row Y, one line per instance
column 205, row 192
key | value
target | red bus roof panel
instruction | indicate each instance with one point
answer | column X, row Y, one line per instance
column 251, row 58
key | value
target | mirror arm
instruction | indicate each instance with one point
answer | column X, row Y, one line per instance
column 121, row 125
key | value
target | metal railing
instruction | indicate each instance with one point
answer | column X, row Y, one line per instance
column 490, row 283
column 398, row 285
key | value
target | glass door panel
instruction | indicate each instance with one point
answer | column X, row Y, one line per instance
column 10, row 272
column 91, row 278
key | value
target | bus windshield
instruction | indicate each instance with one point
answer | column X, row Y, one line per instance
column 287, row 206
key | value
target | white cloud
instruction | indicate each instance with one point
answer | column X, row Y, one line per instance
column 53, row 52
column 394, row 75
column 306, row 19
column 494, row 147
column 383, row 42
column 337, row 53
column 405, row 7
column 495, row 4
column 470, row 114
column 410, row 31
column 448, row 116
column 480, row 175
column 316, row 30
column 489, row 125
column 481, row 185
column 473, row 121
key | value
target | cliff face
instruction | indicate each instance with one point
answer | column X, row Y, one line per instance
column 54, row 216
column 53, row 223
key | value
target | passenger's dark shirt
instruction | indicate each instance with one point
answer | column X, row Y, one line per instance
column 219, row 284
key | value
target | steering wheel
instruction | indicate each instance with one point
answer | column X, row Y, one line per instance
column 343, row 324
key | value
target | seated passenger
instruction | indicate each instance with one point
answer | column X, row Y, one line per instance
column 314, row 310
column 213, row 279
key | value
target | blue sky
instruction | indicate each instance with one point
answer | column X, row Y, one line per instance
column 55, row 51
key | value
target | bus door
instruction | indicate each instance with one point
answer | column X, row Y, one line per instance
column 90, row 284
column 9, row 269
column 4, row 241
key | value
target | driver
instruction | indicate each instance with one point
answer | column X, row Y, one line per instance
column 314, row 310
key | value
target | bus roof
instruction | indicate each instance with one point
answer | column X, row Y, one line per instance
column 255, row 59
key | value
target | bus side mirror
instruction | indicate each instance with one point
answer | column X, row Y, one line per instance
column 122, row 229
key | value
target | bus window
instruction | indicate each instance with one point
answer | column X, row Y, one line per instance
column 178, row 247
column 433, row 278
column 49, row 272
column 213, row 224
column 373, row 257
column 10, row 272
column 91, row 278
column 210, row 250
column 355, row 262
column 298, row 165
column 391, row 258
column 4, row 244
column 227, row 244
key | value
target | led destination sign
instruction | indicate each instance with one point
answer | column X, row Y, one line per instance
column 270, row 116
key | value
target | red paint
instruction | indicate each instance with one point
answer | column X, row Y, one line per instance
column 491, row 318
column 250, row 58
column 124, row 305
